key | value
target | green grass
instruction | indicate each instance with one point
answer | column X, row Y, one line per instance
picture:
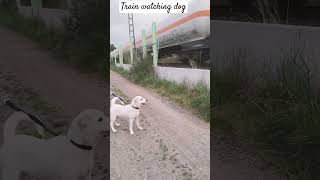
column 196, row 99
column 276, row 111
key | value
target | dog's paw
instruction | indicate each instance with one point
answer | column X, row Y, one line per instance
column 114, row 130
column 131, row 132
column 141, row 128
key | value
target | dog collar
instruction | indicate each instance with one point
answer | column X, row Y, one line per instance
column 135, row 107
column 84, row 147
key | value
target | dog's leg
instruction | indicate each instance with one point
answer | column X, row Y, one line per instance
column 130, row 125
column 138, row 124
column 10, row 174
column 112, row 120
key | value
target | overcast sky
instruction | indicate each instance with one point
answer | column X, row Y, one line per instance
column 119, row 30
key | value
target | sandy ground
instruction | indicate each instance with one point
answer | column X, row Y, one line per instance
column 23, row 65
column 174, row 144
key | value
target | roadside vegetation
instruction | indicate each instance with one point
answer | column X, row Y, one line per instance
column 196, row 99
column 274, row 110
column 72, row 44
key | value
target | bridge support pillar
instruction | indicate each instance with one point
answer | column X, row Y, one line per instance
column 120, row 56
column 154, row 45
column 144, row 45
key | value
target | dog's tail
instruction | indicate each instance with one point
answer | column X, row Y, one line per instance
column 113, row 101
column 12, row 122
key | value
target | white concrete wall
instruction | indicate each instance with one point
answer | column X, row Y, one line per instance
column 184, row 75
column 263, row 43
column 51, row 17
column 25, row 11
column 125, row 66
column 179, row 75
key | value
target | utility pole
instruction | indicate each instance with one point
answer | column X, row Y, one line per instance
column 131, row 32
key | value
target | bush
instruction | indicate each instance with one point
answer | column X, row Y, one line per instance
column 280, row 116
column 142, row 69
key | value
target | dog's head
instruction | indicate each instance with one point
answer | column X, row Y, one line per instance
column 87, row 126
column 138, row 101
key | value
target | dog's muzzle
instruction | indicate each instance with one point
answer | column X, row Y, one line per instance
column 145, row 102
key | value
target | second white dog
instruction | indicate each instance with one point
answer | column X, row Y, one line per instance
column 130, row 112
column 67, row 157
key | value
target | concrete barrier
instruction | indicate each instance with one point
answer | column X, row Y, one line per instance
column 25, row 11
column 184, row 75
column 51, row 17
column 187, row 76
column 126, row 67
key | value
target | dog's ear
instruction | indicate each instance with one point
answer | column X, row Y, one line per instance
column 135, row 100
column 82, row 124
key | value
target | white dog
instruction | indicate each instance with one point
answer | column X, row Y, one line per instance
column 67, row 157
column 130, row 112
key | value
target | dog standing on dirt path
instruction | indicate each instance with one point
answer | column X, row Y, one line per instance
column 69, row 157
column 130, row 112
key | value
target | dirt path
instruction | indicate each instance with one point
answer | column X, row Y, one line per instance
column 60, row 86
column 174, row 145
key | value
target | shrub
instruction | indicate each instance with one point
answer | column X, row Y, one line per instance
column 280, row 116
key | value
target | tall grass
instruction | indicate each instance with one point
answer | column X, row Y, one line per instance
column 196, row 99
column 32, row 28
column 280, row 115
column 71, row 44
